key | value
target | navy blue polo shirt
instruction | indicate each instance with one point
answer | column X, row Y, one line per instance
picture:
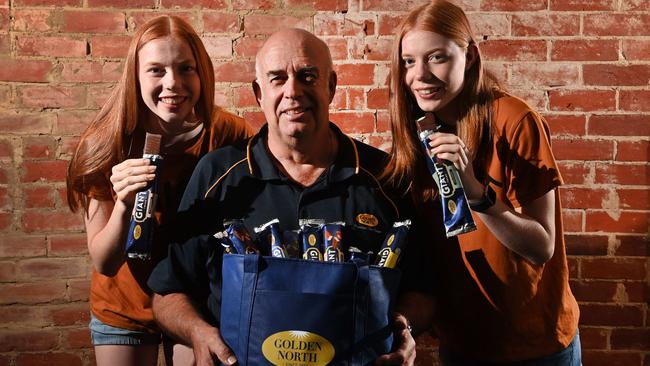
column 243, row 182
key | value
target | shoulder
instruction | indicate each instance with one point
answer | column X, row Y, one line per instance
column 370, row 157
column 512, row 116
column 228, row 127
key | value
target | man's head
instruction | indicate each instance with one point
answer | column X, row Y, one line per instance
column 295, row 83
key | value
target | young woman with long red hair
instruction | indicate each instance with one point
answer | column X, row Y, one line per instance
column 503, row 295
column 166, row 88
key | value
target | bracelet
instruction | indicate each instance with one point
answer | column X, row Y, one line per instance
column 487, row 201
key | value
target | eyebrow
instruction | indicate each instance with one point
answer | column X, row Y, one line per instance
column 300, row 70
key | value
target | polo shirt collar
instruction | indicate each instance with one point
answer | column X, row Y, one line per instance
column 262, row 166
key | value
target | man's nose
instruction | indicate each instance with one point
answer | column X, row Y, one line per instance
column 292, row 88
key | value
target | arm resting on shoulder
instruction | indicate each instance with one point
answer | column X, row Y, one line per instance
column 178, row 317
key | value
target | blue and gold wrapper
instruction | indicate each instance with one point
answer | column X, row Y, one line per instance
column 291, row 241
column 272, row 230
column 240, row 238
column 391, row 250
column 312, row 239
column 333, row 237
column 457, row 215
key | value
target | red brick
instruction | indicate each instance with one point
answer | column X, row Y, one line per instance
column 36, row 221
column 218, row 47
column 642, row 5
column 255, row 119
column 383, row 122
column 78, row 290
column 356, row 99
column 76, row 338
column 5, row 199
column 594, row 291
column 582, row 5
column 244, row 97
column 338, row 48
column 91, row 72
column 509, row 5
column 45, row 171
column 22, row 316
column 20, row 123
column 93, row 21
column 344, row 25
column 52, row 96
column 33, row 20
column 214, row 22
column 583, row 149
column 96, row 96
column 609, row 358
column 47, row 359
column 355, row 122
column 5, row 220
column 565, row 124
column 610, row 315
column 32, row 293
column 223, row 97
column 46, row 268
column 71, row 122
column 487, row 24
column 38, row 147
column 619, row 125
column 635, row 100
column 68, row 314
column 535, row 98
column 586, row 244
column 355, row 74
column 5, row 176
column 267, row 24
column 38, row 197
column 186, row 4
column 50, row 46
column 622, row 174
column 253, row 4
column 237, row 72
column 578, row 197
column 636, row 49
column 544, row 74
column 631, row 339
column 68, row 245
column 545, row 24
column 4, row 19
column 138, row 18
column 624, row 222
column 582, row 100
column 514, row 50
column 109, row 45
column 593, row 338
column 574, row 173
column 319, row 5
column 572, row 220
column 381, row 143
column 631, row 246
column 247, row 46
column 30, row 246
column 388, row 23
column 5, row 44
column 585, row 50
column 121, row 4
column 616, row 24
column 389, row 5
column 47, row 3
column 634, row 199
column 378, row 98
column 68, row 145
column 34, row 71
column 609, row 75
column 6, row 150
column 340, row 100
column 7, row 271
column 378, row 49
column 28, row 340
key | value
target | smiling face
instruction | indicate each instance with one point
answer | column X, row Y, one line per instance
column 294, row 86
column 434, row 71
column 169, row 83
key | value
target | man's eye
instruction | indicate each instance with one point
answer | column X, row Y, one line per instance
column 310, row 78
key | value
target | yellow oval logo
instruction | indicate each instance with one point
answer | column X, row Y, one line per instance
column 296, row 347
column 452, row 206
column 137, row 231
column 367, row 219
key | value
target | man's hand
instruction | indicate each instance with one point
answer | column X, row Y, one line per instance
column 208, row 344
column 404, row 355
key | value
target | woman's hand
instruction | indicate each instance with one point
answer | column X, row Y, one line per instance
column 131, row 176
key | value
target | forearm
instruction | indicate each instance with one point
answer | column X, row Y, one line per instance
column 177, row 316
column 106, row 245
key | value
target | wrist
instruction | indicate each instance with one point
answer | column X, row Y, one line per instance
column 487, row 200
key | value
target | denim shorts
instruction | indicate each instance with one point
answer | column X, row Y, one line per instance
column 104, row 334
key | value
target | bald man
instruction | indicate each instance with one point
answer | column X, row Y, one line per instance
column 299, row 166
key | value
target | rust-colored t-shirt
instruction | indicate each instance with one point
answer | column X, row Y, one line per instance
column 494, row 305
column 124, row 300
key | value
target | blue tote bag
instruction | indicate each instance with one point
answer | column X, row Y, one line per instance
column 291, row 312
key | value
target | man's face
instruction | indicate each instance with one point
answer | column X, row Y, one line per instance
column 294, row 87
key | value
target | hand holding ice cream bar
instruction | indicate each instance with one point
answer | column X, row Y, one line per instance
column 456, row 212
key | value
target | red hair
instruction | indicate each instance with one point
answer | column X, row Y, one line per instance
column 103, row 144
column 407, row 165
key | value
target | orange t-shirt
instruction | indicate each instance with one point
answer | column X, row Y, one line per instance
column 493, row 305
column 124, row 300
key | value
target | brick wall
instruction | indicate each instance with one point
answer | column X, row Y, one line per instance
column 585, row 64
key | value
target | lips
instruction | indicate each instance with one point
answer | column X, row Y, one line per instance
column 428, row 92
column 174, row 100
column 295, row 112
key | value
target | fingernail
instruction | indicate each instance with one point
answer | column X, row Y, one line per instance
column 231, row 360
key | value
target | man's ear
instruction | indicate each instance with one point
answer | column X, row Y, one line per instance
column 332, row 85
column 471, row 56
column 257, row 91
